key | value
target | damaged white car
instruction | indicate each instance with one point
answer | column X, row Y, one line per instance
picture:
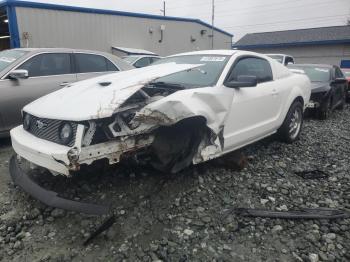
column 183, row 110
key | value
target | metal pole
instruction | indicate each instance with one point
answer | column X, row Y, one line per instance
column 212, row 24
column 163, row 8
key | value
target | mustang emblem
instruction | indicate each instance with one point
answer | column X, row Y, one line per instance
column 40, row 124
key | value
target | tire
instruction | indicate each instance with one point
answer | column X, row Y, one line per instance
column 343, row 102
column 325, row 110
column 292, row 124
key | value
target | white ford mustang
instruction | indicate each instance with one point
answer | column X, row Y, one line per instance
column 183, row 110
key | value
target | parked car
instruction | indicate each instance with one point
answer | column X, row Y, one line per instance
column 283, row 59
column 328, row 87
column 29, row 73
column 183, row 110
column 346, row 72
column 139, row 61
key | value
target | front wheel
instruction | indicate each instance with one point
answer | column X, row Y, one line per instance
column 343, row 102
column 291, row 127
column 325, row 109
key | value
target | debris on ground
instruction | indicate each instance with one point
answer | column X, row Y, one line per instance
column 320, row 213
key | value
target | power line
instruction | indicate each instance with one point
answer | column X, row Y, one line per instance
column 286, row 21
column 269, row 10
column 250, row 7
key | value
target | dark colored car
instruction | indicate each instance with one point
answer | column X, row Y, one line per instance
column 346, row 72
column 328, row 85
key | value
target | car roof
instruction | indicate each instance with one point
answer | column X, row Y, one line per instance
column 313, row 65
column 38, row 50
column 279, row 55
column 209, row 52
column 141, row 56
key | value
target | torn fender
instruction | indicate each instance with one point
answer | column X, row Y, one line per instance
column 212, row 103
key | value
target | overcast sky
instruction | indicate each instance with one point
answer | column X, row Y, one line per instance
column 236, row 16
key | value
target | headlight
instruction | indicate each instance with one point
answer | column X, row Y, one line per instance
column 66, row 133
column 27, row 121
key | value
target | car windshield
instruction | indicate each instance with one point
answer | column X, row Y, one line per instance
column 8, row 57
column 130, row 59
column 205, row 75
column 316, row 74
column 278, row 58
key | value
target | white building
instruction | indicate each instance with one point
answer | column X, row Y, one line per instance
column 46, row 25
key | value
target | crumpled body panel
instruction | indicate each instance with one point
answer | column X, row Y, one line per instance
column 99, row 97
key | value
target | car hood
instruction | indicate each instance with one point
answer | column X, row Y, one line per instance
column 317, row 87
column 99, row 97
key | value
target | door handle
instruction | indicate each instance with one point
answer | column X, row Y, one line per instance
column 64, row 83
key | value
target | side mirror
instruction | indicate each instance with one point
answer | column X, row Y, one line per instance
column 339, row 81
column 243, row 81
column 19, row 74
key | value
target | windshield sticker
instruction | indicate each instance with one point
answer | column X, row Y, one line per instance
column 7, row 59
column 213, row 59
column 322, row 70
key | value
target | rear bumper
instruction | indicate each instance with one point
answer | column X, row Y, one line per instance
column 50, row 198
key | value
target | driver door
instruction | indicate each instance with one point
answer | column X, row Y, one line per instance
column 254, row 110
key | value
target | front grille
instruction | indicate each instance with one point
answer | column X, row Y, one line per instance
column 48, row 129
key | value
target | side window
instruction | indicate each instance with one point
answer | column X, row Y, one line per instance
column 145, row 61
column 154, row 59
column 87, row 63
column 289, row 60
column 253, row 67
column 338, row 73
column 111, row 66
column 48, row 64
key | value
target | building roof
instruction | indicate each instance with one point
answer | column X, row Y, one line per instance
column 299, row 37
column 103, row 11
column 133, row 51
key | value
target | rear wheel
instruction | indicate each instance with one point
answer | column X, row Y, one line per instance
column 291, row 127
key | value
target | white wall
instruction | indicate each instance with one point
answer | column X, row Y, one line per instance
column 51, row 28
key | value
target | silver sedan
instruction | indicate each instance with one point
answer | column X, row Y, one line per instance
column 29, row 73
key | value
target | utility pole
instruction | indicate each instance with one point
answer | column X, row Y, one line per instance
column 212, row 23
column 163, row 10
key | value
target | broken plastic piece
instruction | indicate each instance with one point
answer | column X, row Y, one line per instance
column 50, row 198
column 312, row 174
column 320, row 213
column 103, row 227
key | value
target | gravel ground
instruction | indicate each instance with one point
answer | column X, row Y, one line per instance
column 187, row 217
